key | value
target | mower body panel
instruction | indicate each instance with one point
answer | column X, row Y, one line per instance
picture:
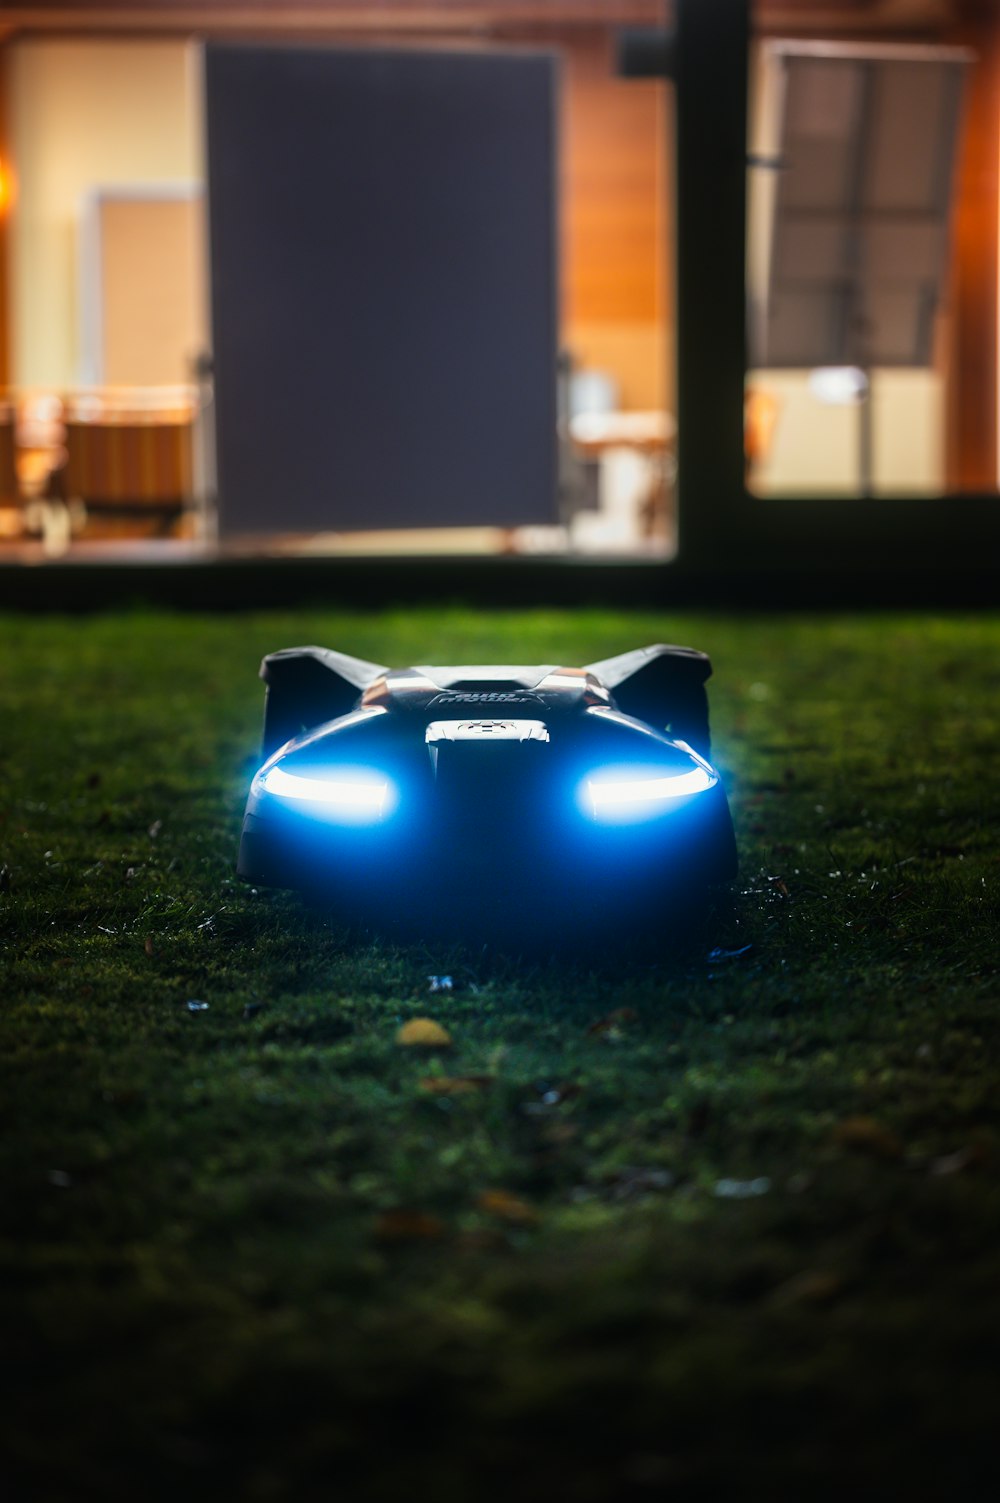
column 521, row 795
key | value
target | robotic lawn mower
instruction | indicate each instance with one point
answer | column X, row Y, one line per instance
column 489, row 797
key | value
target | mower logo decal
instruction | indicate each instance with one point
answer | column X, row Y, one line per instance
column 487, row 697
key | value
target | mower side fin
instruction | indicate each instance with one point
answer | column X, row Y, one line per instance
column 307, row 686
column 664, row 686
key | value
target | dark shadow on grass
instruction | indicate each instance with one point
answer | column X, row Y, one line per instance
column 682, row 929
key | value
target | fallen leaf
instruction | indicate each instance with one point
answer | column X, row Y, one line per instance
column 507, row 1207
column 148, row 945
column 423, row 1033
column 866, row 1135
column 817, row 1286
column 409, row 1226
column 976, row 1155
column 950, row 1163
column 454, row 1085
column 481, row 1239
column 614, row 1021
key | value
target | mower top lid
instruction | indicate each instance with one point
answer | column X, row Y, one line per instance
column 656, row 685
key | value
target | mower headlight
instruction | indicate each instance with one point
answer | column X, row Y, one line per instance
column 637, row 795
column 355, row 796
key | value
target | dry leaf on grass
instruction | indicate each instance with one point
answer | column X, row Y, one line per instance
column 866, row 1135
column 454, row 1085
column 507, row 1207
column 975, row 1155
column 423, row 1033
column 481, row 1239
column 409, row 1226
column 614, row 1022
column 816, row 1286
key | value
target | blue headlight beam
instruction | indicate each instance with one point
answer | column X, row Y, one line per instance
column 637, row 797
column 351, row 797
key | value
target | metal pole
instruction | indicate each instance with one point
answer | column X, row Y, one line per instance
column 710, row 58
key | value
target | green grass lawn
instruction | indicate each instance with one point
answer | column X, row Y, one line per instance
column 671, row 1227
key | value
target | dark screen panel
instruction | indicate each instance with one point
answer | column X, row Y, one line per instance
column 383, row 287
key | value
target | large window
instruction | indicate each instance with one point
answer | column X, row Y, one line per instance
column 108, row 302
column 872, row 265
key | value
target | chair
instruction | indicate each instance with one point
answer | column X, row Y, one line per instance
column 130, row 457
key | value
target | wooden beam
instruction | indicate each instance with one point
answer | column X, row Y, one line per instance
column 6, row 195
column 388, row 17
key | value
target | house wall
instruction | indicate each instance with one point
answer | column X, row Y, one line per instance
column 82, row 115
column 617, row 193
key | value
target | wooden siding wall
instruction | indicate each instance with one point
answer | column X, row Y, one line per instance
column 972, row 357
column 614, row 164
column 617, row 307
column 6, row 195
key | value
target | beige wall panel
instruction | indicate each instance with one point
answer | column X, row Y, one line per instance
column 151, row 279
column 85, row 115
column 815, row 447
